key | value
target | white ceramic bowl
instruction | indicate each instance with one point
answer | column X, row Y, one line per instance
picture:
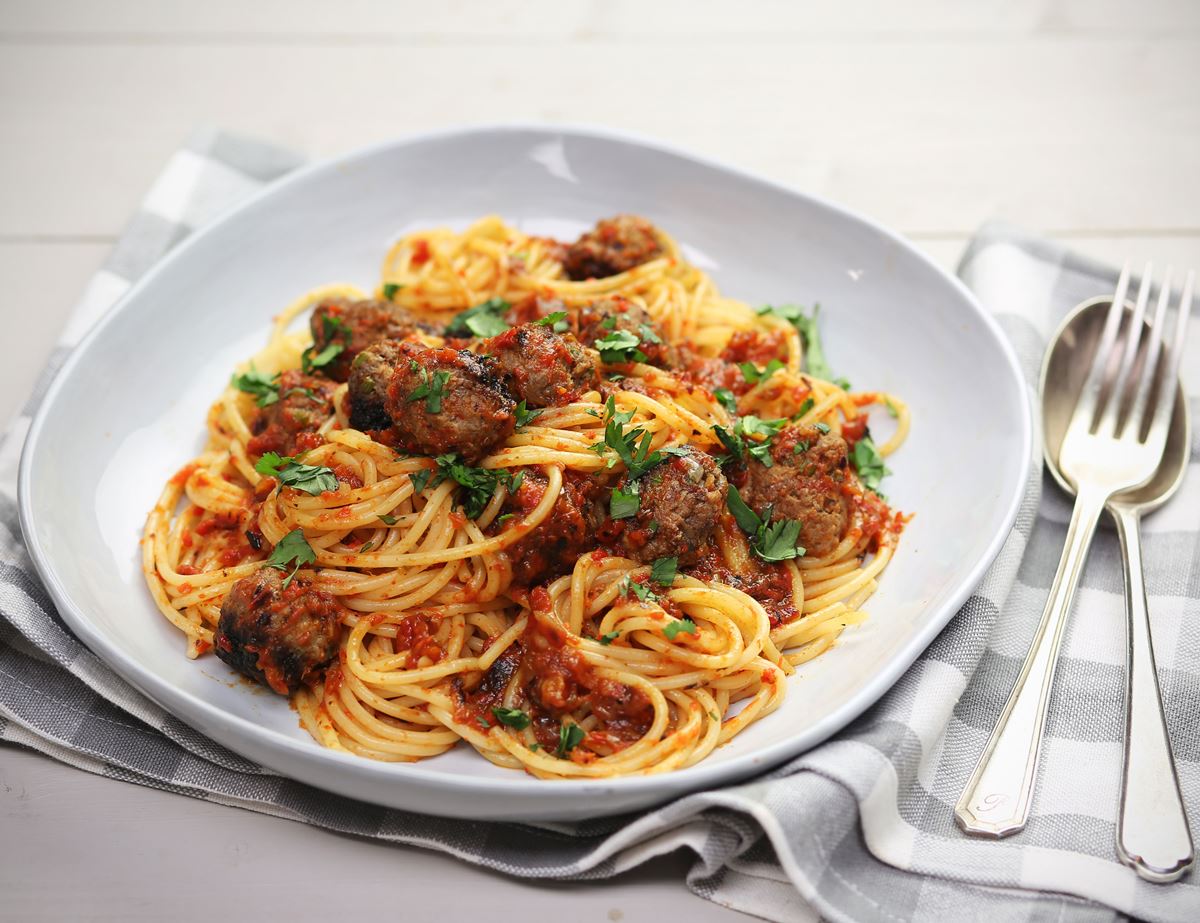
column 128, row 409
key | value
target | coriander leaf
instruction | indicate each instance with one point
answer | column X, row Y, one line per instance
column 754, row 375
column 687, row 626
column 420, row 479
column 814, row 354
column 620, row 346
column 663, row 571
column 726, row 399
column 513, row 717
column 524, row 415
column 432, row 389
column 624, row 503
column 483, row 320
column 479, row 484
column 648, row 335
column 386, row 519
column 777, row 541
column 642, row 591
column 390, row 289
column 751, row 424
column 271, row 462
column 609, row 637
column 762, row 452
column 570, row 736
column 292, row 549
column 556, row 321
column 312, row 479
column 264, row 387
column 868, row 462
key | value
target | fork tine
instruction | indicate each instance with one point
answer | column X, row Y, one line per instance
column 1116, row 396
column 1141, row 399
column 1089, row 395
column 1167, row 387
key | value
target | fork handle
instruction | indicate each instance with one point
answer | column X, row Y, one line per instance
column 1152, row 828
column 995, row 801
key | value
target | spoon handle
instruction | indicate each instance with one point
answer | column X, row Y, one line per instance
column 995, row 801
column 1152, row 828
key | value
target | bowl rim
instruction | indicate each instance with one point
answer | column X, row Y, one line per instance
column 658, row 787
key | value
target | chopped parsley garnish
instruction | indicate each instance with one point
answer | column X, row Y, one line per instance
column 726, row 399
column 305, row 392
column 642, row 591
column 312, row 479
column 609, row 637
column 524, row 415
column 843, row 383
column 483, row 722
column 390, row 289
column 869, row 464
column 891, row 408
column 420, row 479
column 432, row 389
column 753, row 374
column 821, row 427
column 570, row 736
column 805, row 407
column 479, row 484
column 814, row 354
column 630, row 446
column 513, row 717
column 387, row 519
column 556, row 321
column 483, row 320
column 292, row 549
column 648, row 335
column 620, row 346
column 334, row 330
column 264, row 387
column 663, row 571
column 687, row 626
column 365, row 547
column 624, row 503
column 771, row 541
column 739, row 446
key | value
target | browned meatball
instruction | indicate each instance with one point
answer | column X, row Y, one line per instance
column 551, row 549
column 613, row 246
column 282, row 636
column 544, row 368
column 370, row 374
column 446, row 400
column 290, row 424
column 804, row 484
column 355, row 325
column 601, row 318
column 680, row 503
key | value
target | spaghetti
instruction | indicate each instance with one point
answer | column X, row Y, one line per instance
column 432, row 595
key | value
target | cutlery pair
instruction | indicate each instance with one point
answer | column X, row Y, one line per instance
column 1124, row 447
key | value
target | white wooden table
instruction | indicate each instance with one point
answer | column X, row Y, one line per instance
column 1076, row 118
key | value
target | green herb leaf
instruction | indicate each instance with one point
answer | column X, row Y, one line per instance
column 805, row 407
column 483, row 722
column 556, row 321
column 387, row 519
column 624, row 503
column 663, row 571
column 821, row 427
column 609, row 637
column 868, row 462
column 432, row 389
column 312, row 479
column 726, row 399
column 745, row 517
column 570, row 736
column 814, row 354
column 687, row 626
column 642, row 591
column 513, row 717
column 483, row 320
column 310, row 362
column 754, row 374
column 891, row 408
column 479, row 484
column 771, row 541
column 292, row 549
column 535, row 747
column 632, row 446
column 843, row 383
column 524, row 415
column 420, row 479
column 390, row 289
column 365, row 547
column 620, row 346
column 264, row 387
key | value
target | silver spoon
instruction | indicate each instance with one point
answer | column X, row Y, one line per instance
column 1152, row 831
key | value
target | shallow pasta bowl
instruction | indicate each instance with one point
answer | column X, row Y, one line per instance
column 128, row 407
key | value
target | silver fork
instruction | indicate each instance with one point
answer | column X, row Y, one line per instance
column 1103, row 453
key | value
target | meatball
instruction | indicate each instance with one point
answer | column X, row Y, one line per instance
column 305, row 402
column 544, row 368
column 370, row 374
column 613, row 246
column 551, row 549
column 804, row 484
column 284, row 636
column 680, row 503
column 532, row 308
column 601, row 318
column 356, row 325
column 446, row 400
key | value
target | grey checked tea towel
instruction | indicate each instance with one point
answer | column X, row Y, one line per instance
column 861, row 828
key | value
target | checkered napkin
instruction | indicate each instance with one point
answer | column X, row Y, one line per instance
column 861, row 828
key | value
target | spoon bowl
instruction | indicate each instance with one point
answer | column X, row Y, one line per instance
column 1064, row 369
